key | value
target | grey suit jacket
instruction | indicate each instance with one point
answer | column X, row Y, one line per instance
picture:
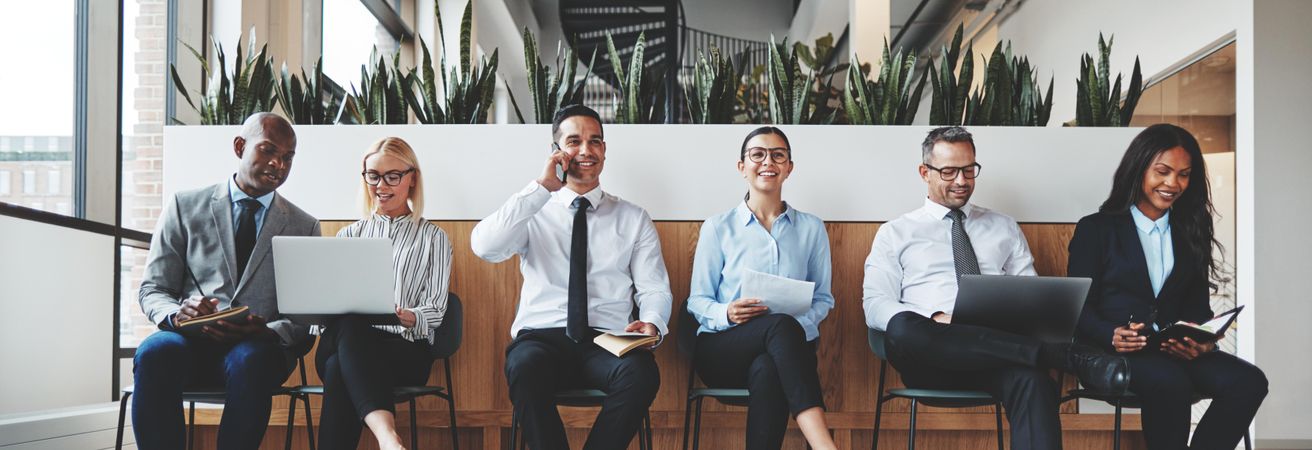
column 195, row 231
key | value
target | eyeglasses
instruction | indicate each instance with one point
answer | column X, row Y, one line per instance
column 392, row 178
column 950, row 173
column 777, row 154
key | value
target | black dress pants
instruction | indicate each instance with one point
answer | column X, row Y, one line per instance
column 1166, row 386
column 359, row 366
column 932, row 355
column 541, row 362
column 769, row 355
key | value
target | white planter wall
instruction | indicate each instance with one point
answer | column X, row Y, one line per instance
column 680, row 172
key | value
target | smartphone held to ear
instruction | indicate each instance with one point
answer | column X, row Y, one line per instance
column 560, row 168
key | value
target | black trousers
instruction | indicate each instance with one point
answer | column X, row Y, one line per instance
column 541, row 362
column 359, row 366
column 769, row 355
column 1166, row 386
column 932, row 355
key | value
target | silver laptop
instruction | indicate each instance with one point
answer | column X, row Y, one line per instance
column 1045, row 308
column 321, row 278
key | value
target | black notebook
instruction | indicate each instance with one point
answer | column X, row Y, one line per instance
column 1203, row 333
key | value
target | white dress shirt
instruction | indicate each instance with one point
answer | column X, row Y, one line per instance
column 624, row 258
column 910, row 267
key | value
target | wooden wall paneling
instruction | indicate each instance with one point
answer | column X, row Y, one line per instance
column 848, row 370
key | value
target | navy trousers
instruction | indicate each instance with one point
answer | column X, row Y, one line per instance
column 167, row 363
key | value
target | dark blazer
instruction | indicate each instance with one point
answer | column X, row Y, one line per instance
column 195, row 231
column 1106, row 248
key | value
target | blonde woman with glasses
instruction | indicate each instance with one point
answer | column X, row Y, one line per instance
column 359, row 363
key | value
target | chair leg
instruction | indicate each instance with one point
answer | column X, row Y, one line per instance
column 291, row 419
column 911, row 432
column 122, row 413
column 646, row 423
column 309, row 420
column 687, row 421
column 514, row 429
column 697, row 425
column 191, row 425
column 1248, row 441
column 997, row 415
column 414, row 425
column 1116, row 436
column 879, row 410
column 451, row 405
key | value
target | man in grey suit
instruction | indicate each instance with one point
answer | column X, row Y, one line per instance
column 210, row 252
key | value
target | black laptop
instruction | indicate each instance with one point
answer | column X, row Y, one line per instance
column 1045, row 308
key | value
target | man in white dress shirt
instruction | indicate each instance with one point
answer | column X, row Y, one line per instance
column 587, row 258
column 911, row 286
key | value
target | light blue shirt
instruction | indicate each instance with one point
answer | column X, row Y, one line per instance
column 797, row 247
column 237, row 195
column 1155, row 238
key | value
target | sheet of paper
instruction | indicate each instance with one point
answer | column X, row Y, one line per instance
column 781, row 295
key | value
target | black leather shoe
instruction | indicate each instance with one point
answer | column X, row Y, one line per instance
column 1098, row 371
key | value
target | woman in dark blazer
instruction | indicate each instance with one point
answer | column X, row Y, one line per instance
column 1149, row 251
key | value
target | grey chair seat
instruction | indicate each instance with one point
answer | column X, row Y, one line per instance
column 945, row 398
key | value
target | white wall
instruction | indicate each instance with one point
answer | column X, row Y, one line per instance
column 744, row 19
column 1280, row 97
column 1054, row 34
column 815, row 18
column 57, row 287
column 687, row 172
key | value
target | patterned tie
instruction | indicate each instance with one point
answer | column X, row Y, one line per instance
column 576, row 322
column 246, row 232
column 963, row 254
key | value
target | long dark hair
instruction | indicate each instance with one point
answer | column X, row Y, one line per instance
column 1191, row 214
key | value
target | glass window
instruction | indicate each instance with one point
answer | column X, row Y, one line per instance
column 145, row 67
column 29, row 181
column 4, row 183
column 37, row 137
column 354, row 33
column 52, row 182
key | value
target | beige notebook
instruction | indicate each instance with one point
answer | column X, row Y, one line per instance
column 193, row 325
column 621, row 342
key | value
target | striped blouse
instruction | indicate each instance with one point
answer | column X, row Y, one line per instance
column 421, row 254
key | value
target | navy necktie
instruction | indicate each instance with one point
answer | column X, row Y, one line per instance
column 576, row 322
column 963, row 254
column 246, row 233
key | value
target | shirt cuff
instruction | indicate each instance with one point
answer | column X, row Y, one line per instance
column 167, row 323
column 719, row 315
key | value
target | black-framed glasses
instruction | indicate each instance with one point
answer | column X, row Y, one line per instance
column 391, row 177
column 777, row 154
column 950, row 173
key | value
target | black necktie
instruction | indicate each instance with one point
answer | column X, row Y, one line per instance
column 963, row 254
column 246, row 233
column 576, row 322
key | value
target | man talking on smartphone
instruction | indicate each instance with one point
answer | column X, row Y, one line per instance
column 612, row 277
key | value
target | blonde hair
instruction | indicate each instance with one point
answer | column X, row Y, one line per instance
column 399, row 149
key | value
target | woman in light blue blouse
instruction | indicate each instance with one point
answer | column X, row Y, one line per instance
column 740, row 341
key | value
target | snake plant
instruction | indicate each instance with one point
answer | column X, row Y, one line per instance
column 1098, row 102
column 550, row 93
column 948, row 96
column 887, row 100
column 231, row 98
column 303, row 101
column 381, row 95
column 1010, row 94
column 714, row 90
column 640, row 87
column 468, row 90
